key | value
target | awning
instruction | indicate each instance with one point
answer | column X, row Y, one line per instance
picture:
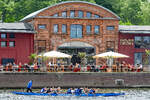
column 75, row 44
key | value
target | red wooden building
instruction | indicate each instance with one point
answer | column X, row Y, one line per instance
column 16, row 42
column 133, row 41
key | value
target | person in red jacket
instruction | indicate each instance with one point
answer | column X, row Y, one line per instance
column 19, row 67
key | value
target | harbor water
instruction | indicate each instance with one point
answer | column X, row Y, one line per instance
column 130, row 94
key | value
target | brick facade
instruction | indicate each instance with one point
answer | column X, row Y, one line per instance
column 50, row 41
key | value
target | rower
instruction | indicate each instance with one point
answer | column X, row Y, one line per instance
column 86, row 90
column 92, row 91
column 43, row 90
column 54, row 91
column 59, row 90
column 78, row 91
column 49, row 90
column 69, row 91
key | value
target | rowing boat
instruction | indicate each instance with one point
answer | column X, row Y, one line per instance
column 65, row 94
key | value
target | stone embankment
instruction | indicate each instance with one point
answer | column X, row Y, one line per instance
column 66, row 79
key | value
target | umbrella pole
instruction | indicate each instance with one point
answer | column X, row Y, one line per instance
column 54, row 64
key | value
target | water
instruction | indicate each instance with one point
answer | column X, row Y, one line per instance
column 131, row 94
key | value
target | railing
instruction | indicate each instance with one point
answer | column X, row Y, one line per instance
column 73, row 69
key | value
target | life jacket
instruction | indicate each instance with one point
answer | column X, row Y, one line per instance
column 29, row 84
column 91, row 91
column 77, row 91
column 69, row 91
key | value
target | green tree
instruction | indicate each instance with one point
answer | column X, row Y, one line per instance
column 147, row 52
column 6, row 7
column 82, row 56
column 109, row 4
column 131, row 11
column 145, row 7
column 32, row 58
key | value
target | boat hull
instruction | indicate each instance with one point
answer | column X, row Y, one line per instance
column 64, row 94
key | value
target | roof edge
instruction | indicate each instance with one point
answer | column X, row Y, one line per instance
column 32, row 15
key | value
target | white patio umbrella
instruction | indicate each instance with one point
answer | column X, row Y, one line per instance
column 55, row 54
column 110, row 55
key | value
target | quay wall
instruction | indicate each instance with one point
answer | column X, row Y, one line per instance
column 69, row 79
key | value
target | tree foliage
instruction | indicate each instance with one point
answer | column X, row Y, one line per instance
column 130, row 11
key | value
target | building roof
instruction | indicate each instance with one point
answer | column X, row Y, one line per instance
column 134, row 29
column 32, row 15
column 16, row 27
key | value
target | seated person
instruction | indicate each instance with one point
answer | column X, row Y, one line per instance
column 49, row 90
column 86, row 90
column 54, row 91
column 77, row 91
column 69, row 91
column 104, row 67
column 92, row 91
column 140, row 68
column 43, row 90
column 59, row 90
column 88, row 67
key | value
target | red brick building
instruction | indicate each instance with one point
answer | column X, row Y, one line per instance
column 16, row 42
column 75, row 26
